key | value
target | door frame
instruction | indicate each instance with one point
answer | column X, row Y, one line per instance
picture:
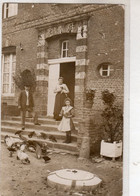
column 52, row 79
column 59, row 61
column 62, row 60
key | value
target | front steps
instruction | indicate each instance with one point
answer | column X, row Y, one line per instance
column 48, row 126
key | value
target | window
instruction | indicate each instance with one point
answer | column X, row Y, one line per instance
column 64, row 52
column 8, row 71
column 105, row 70
column 10, row 9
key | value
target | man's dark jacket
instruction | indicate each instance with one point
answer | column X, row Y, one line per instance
column 23, row 99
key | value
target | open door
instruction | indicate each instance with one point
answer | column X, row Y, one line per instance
column 65, row 70
column 54, row 71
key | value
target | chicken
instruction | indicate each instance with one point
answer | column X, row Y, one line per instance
column 30, row 135
column 18, row 132
column 22, row 147
column 11, row 150
column 31, row 148
column 46, row 158
column 44, row 149
column 38, row 151
column 23, row 157
column 52, row 138
column 23, row 138
column 10, row 141
column 38, row 134
column 43, row 135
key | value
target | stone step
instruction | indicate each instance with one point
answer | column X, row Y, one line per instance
column 57, row 134
column 42, row 127
column 30, row 125
column 43, row 121
column 76, row 119
column 72, row 147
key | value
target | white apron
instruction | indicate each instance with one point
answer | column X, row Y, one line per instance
column 65, row 122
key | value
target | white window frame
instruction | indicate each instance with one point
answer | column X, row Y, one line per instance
column 10, row 9
column 10, row 75
column 107, row 70
column 64, row 49
column 5, row 10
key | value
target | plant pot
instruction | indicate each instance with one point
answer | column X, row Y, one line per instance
column 88, row 104
column 112, row 150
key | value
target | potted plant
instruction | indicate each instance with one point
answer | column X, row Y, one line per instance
column 25, row 78
column 112, row 116
column 90, row 94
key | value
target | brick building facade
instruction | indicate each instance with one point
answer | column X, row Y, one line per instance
column 84, row 44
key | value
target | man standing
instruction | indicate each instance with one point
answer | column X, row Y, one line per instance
column 26, row 103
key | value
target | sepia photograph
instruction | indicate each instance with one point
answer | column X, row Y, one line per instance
column 62, row 99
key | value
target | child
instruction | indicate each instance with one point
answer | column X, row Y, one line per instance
column 66, row 123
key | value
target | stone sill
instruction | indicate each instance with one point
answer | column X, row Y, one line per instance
column 8, row 97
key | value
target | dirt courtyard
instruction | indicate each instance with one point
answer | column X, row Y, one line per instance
column 31, row 180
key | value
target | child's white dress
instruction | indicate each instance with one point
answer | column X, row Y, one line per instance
column 66, row 123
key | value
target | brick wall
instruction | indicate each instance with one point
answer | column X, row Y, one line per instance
column 25, row 59
column 35, row 11
column 105, row 44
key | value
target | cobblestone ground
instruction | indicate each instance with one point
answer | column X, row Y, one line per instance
column 30, row 180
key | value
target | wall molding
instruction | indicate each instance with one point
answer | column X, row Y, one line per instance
column 62, row 60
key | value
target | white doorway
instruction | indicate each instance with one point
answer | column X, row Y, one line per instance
column 53, row 80
column 54, row 74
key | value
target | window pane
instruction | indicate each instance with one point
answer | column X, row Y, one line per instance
column 64, row 53
column 5, row 88
column 12, row 88
column 6, row 67
column 104, row 73
column 12, row 80
column 9, row 67
column 6, row 58
column 64, row 45
column 105, row 67
column 5, row 78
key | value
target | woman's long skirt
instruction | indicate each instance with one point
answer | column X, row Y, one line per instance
column 59, row 103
